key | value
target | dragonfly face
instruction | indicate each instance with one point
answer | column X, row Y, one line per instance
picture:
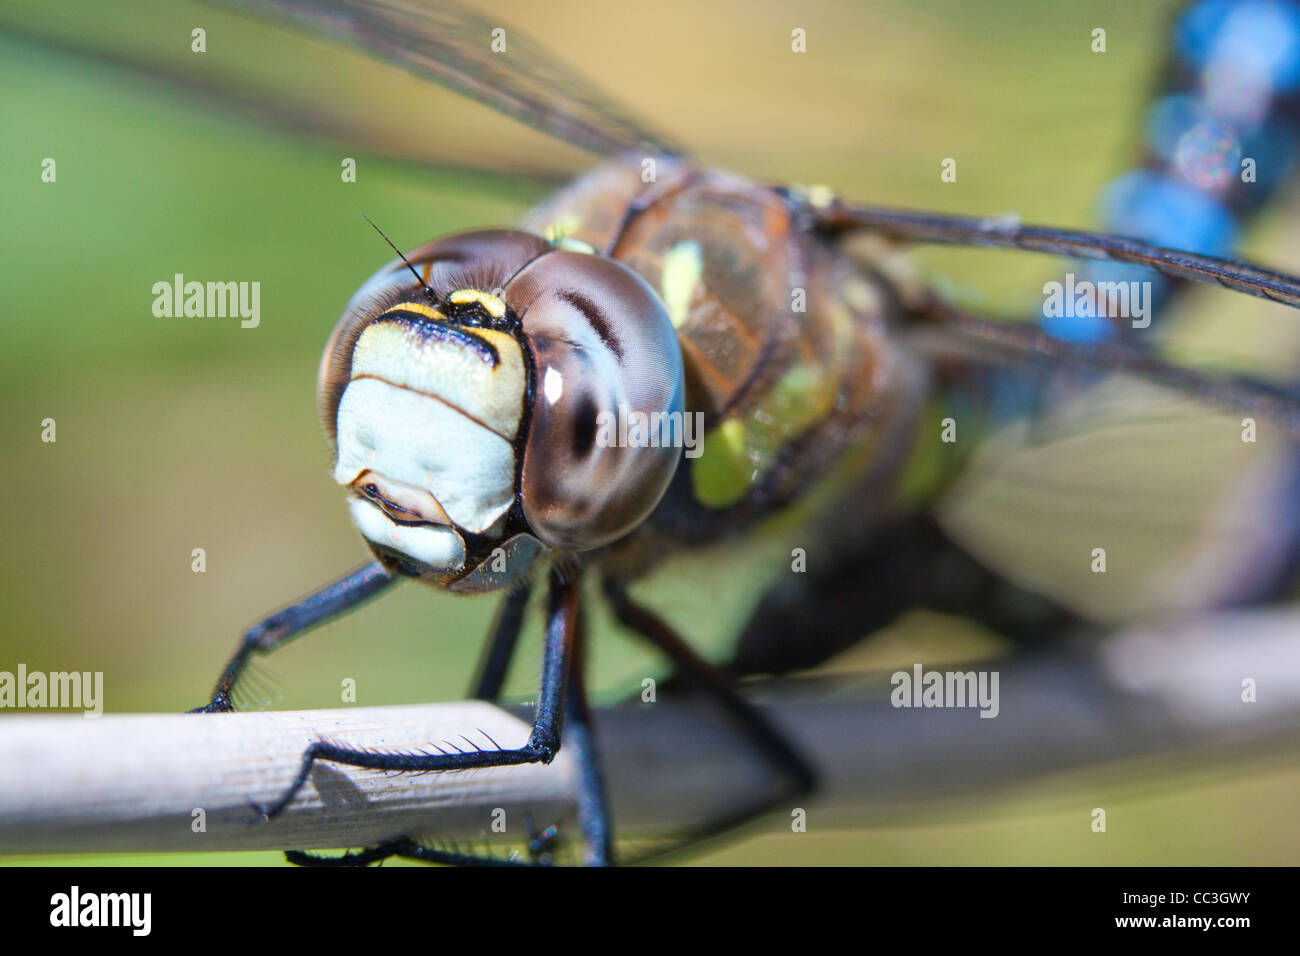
column 466, row 409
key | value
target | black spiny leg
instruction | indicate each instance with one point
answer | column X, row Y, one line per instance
column 405, row 848
column 593, row 807
column 543, row 741
column 494, row 663
column 283, row 626
column 592, row 815
column 696, row 670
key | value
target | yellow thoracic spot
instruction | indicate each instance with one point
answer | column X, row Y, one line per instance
column 419, row 308
column 682, row 269
column 562, row 227
column 569, row 244
column 820, row 196
column 495, row 307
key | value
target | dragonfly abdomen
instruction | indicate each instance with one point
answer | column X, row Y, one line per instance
column 1220, row 138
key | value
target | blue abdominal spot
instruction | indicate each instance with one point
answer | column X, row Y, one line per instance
column 1078, row 328
column 1146, row 205
column 1262, row 36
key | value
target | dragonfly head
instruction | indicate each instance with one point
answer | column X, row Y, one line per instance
column 474, row 413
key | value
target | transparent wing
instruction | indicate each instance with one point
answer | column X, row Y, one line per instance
column 1189, row 515
column 498, row 66
column 1024, row 340
column 1006, row 232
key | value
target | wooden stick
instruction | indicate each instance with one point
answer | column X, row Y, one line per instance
column 184, row 782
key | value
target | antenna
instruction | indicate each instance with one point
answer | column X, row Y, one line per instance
column 427, row 291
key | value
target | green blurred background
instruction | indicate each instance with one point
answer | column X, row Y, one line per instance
column 175, row 434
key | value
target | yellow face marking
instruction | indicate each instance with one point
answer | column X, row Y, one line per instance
column 450, row 371
column 419, row 308
column 495, row 307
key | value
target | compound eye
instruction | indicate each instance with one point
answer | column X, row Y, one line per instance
column 605, row 435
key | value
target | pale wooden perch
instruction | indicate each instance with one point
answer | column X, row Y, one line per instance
column 134, row 782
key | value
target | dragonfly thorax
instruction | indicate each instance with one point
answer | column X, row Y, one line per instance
column 470, row 411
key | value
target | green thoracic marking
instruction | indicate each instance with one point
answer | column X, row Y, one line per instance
column 722, row 474
column 800, row 399
column 738, row 451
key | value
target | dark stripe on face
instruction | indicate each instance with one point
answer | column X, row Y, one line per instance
column 591, row 312
column 395, row 512
column 427, row 329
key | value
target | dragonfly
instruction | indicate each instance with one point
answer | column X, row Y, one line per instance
column 775, row 313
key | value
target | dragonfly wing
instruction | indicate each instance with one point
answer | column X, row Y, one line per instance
column 1118, row 449
column 1024, row 340
column 503, row 69
column 1185, row 515
column 1006, row 232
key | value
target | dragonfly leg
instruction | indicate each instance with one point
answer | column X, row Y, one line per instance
column 593, row 814
column 494, row 663
column 579, row 736
column 593, row 808
column 696, row 670
column 405, row 848
column 283, row 626
column 373, row 854
column 858, row 591
column 539, row 850
column 543, row 741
